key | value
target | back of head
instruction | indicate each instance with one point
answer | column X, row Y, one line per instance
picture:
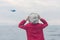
column 33, row 17
column 33, row 14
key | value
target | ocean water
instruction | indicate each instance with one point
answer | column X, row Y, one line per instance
column 12, row 32
column 52, row 32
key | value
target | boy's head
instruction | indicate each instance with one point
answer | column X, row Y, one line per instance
column 34, row 18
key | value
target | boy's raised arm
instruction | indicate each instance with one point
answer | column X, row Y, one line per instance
column 44, row 22
column 21, row 24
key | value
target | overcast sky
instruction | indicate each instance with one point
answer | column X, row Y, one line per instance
column 48, row 9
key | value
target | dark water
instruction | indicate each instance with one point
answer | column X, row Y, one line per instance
column 14, row 33
column 52, row 33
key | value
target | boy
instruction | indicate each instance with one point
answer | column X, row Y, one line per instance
column 34, row 29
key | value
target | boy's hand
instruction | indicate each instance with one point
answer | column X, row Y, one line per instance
column 39, row 17
column 27, row 18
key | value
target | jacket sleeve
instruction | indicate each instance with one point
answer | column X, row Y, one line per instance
column 21, row 24
column 44, row 23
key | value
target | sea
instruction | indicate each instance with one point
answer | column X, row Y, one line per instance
column 12, row 32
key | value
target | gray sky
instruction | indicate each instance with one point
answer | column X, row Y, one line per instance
column 48, row 9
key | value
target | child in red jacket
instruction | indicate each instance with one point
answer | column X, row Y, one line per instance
column 34, row 29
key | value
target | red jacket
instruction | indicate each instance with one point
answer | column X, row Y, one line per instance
column 34, row 31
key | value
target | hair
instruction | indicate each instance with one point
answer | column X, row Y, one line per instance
column 33, row 15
